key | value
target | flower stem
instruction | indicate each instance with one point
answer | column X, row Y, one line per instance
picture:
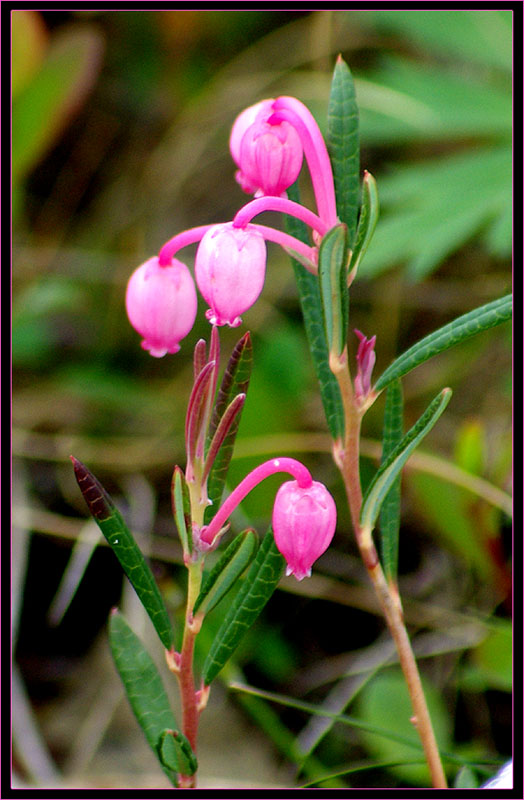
column 301, row 474
column 315, row 151
column 189, row 696
column 176, row 243
column 283, row 205
column 309, row 254
column 348, row 463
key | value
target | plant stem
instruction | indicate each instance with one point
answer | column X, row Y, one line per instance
column 188, row 695
column 348, row 463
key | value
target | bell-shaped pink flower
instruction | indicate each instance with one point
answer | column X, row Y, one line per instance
column 161, row 304
column 230, row 268
column 269, row 155
column 304, row 523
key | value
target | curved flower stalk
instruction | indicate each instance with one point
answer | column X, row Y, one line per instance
column 292, row 110
column 304, row 515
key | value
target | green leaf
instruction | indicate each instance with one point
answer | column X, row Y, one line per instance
column 311, row 305
column 482, row 35
column 465, row 779
column 390, row 511
column 386, row 475
column 366, row 222
column 385, row 702
column 494, row 657
column 121, row 541
column 45, row 105
column 181, row 505
column 176, row 754
column 259, row 584
column 344, row 146
column 462, row 328
column 142, row 683
column 424, row 218
column 409, row 100
column 234, row 382
column 228, row 568
column 449, row 512
column 332, row 273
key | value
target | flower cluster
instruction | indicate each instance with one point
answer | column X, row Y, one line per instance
column 268, row 144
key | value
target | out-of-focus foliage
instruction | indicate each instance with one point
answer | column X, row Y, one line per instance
column 451, row 86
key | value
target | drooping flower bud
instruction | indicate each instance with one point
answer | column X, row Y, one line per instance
column 161, row 304
column 230, row 269
column 365, row 362
column 269, row 155
column 304, row 523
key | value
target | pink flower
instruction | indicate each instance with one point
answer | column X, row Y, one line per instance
column 161, row 304
column 269, row 155
column 230, row 269
column 304, row 521
column 365, row 362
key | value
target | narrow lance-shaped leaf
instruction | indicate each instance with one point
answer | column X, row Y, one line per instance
column 175, row 753
column 259, row 584
column 344, row 145
column 199, row 358
column 332, row 273
column 226, row 571
column 224, row 426
column 121, row 541
column 181, row 506
column 388, row 472
column 460, row 329
column 390, row 511
column 142, row 683
column 235, row 381
column 196, row 409
column 311, row 305
column 367, row 222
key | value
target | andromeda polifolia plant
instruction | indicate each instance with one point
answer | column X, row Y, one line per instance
column 270, row 143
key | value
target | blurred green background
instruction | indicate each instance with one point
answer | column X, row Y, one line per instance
column 120, row 130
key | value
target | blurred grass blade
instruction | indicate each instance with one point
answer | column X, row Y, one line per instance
column 228, row 568
column 175, row 753
column 121, row 541
column 390, row 511
column 462, row 328
column 259, row 584
column 389, row 470
column 367, row 221
column 142, row 683
column 311, row 305
column 235, row 381
column 181, row 505
column 83, row 549
column 344, row 145
column 332, row 274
